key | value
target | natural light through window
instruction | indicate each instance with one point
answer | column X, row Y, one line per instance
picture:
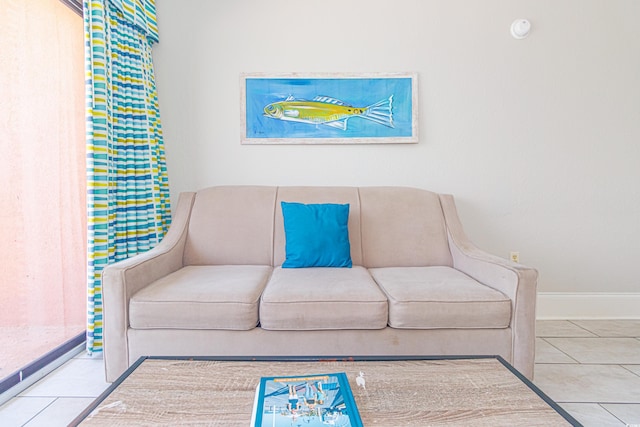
column 42, row 171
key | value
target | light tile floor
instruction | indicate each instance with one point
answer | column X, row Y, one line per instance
column 59, row 397
column 590, row 367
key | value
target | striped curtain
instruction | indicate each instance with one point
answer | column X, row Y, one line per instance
column 127, row 185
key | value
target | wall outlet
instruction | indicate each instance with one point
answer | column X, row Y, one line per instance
column 514, row 256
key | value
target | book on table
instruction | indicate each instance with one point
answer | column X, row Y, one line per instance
column 309, row 400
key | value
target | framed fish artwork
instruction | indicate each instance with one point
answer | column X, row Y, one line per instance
column 371, row 108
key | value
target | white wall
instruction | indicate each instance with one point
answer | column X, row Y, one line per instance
column 538, row 139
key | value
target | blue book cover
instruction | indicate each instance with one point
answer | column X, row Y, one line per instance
column 310, row 400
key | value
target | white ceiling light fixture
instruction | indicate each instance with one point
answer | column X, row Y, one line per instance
column 520, row 28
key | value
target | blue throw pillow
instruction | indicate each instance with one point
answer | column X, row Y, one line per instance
column 316, row 235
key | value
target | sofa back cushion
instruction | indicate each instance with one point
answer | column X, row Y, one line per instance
column 231, row 225
column 307, row 195
column 388, row 226
column 402, row 227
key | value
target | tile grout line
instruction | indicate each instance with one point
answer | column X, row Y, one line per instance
column 570, row 357
column 611, row 413
column 584, row 329
column 620, row 365
column 39, row 412
column 633, row 372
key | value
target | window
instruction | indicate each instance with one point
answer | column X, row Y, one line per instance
column 42, row 177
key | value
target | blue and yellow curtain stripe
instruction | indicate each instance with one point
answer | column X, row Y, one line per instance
column 127, row 184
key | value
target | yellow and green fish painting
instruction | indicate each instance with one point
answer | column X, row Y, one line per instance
column 324, row 110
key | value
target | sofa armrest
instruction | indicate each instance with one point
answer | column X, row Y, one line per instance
column 516, row 281
column 121, row 280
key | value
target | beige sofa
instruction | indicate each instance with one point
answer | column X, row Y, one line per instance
column 215, row 286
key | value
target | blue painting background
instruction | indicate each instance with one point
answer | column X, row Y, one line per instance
column 357, row 92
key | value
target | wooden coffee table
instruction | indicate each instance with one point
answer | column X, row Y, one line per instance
column 478, row 391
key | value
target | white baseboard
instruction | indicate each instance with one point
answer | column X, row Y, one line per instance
column 588, row 305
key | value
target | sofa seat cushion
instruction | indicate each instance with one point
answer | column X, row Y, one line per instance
column 322, row 298
column 440, row 297
column 201, row 297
